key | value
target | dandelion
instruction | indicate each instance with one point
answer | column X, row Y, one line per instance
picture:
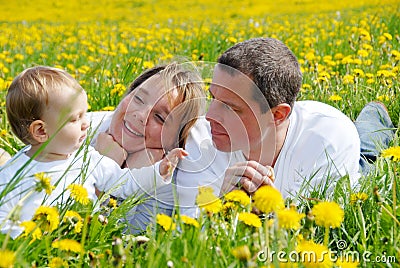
column 68, row 245
column 328, row 214
column 358, row 198
column 289, row 218
column 112, row 203
column 348, row 79
column 362, row 53
column 79, row 193
column 359, row 72
column 166, row 222
column 238, row 196
column 382, row 97
column 47, row 217
column 30, row 228
column 207, row 200
column 57, row 262
column 250, row 219
column 43, row 183
column 74, row 219
column 314, row 255
column 242, row 253
column 335, row 97
column 189, row 221
column 388, row 36
column 108, row 108
column 118, row 90
column 268, row 199
column 392, row 152
column 7, row 258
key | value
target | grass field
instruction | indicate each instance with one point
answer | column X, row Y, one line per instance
column 349, row 53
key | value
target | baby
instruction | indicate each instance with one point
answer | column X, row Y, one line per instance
column 46, row 109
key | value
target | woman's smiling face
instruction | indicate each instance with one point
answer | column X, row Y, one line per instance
column 144, row 116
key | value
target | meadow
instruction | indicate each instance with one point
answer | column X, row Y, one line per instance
column 349, row 53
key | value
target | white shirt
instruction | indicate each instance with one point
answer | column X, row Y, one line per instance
column 321, row 143
column 85, row 167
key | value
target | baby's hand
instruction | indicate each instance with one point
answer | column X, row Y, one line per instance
column 170, row 161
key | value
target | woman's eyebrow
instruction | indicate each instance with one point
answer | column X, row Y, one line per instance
column 143, row 90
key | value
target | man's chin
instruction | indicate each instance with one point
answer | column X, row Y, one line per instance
column 223, row 146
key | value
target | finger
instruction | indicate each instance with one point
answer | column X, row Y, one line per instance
column 248, row 172
column 248, row 185
column 264, row 170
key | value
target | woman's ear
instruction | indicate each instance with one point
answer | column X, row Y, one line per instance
column 37, row 129
column 281, row 112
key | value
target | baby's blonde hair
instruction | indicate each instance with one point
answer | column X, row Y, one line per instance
column 28, row 96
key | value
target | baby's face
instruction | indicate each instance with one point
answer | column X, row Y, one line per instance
column 65, row 119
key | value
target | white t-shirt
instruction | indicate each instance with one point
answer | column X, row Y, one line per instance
column 86, row 167
column 321, row 142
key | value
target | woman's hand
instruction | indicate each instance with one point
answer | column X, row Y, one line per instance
column 106, row 145
column 250, row 174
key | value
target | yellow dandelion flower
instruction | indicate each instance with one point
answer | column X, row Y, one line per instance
column 30, row 228
column 148, row 64
column 108, row 108
column 342, row 263
column 7, row 258
column 348, row 79
column 359, row 72
column 370, row 81
column 112, row 203
column 362, row 53
column 358, row 198
column 383, row 98
column 57, row 262
column 328, row 214
column 68, row 245
column 238, row 196
column 118, row 90
column 314, row 255
column 392, row 152
column 268, row 199
column 229, row 206
column 43, row 183
column 250, row 219
column 335, row 97
column 47, row 218
column 242, row 253
column 388, row 36
column 74, row 219
column 79, row 193
column 207, row 200
column 289, row 218
column 190, row 221
column 166, row 222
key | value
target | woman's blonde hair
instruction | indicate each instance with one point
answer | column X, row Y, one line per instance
column 28, row 96
column 191, row 99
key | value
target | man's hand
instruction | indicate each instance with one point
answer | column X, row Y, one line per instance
column 106, row 145
column 250, row 174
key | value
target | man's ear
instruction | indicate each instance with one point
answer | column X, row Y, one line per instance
column 38, row 131
column 281, row 112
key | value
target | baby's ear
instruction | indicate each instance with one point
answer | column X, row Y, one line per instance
column 38, row 131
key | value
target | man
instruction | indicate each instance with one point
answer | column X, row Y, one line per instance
column 254, row 115
column 256, row 125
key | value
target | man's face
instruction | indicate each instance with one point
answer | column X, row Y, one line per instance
column 234, row 114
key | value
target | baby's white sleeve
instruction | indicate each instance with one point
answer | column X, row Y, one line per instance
column 127, row 182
